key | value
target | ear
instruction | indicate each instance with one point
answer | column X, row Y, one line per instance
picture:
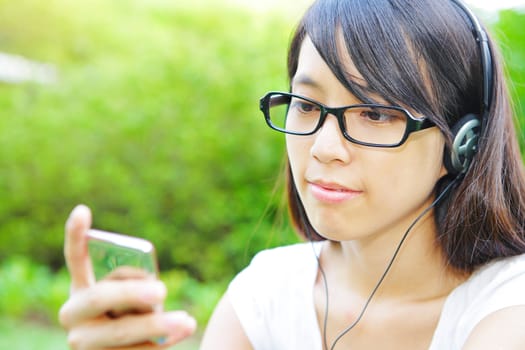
column 443, row 171
column 465, row 135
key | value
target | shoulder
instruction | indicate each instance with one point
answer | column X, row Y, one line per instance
column 503, row 268
column 502, row 329
column 502, row 307
column 492, row 290
column 497, row 284
column 272, row 297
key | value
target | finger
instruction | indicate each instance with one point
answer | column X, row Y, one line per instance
column 134, row 332
column 111, row 297
column 129, row 272
column 75, row 248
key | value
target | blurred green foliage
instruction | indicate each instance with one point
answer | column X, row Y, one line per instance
column 154, row 124
column 34, row 293
column 511, row 39
column 41, row 301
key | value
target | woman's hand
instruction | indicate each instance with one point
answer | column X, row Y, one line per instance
column 89, row 314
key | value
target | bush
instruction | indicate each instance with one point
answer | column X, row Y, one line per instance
column 32, row 292
column 154, row 124
column 511, row 38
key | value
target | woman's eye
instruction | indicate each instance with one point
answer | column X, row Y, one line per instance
column 377, row 116
column 305, row 107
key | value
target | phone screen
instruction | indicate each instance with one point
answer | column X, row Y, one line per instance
column 110, row 250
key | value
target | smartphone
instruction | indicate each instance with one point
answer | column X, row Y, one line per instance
column 109, row 251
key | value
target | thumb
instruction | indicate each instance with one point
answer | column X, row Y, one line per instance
column 75, row 248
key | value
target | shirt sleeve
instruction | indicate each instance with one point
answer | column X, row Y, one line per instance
column 498, row 285
column 249, row 298
column 273, row 299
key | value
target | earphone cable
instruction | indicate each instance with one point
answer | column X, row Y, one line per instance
column 381, row 279
column 325, row 284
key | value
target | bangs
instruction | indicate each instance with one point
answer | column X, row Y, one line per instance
column 374, row 38
column 390, row 42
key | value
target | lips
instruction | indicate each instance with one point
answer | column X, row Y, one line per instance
column 331, row 192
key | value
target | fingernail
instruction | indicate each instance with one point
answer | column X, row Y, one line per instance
column 154, row 292
column 180, row 325
column 77, row 211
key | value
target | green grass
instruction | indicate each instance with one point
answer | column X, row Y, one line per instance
column 18, row 335
column 31, row 295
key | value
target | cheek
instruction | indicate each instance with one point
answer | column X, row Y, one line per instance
column 409, row 171
column 298, row 149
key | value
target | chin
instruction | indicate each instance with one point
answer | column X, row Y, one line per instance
column 333, row 234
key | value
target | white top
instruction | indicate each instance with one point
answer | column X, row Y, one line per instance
column 273, row 299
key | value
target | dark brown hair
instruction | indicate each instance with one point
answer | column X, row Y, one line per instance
column 422, row 54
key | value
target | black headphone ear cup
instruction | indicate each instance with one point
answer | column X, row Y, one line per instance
column 465, row 135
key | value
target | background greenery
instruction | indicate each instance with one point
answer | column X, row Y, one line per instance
column 154, row 124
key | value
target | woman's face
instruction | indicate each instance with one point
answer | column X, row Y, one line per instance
column 351, row 191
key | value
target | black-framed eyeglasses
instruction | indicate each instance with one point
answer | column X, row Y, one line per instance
column 371, row 125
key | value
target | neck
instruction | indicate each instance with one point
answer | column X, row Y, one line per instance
column 418, row 272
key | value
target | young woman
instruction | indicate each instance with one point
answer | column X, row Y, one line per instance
column 405, row 176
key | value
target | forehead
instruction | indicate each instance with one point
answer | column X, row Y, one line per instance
column 312, row 67
column 314, row 74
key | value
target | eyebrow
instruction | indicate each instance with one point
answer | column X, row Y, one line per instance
column 372, row 96
column 303, row 79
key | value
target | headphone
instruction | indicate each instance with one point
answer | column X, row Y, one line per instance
column 466, row 131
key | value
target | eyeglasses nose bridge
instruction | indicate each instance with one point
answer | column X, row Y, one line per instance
column 337, row 113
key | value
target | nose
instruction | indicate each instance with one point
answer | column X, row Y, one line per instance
column 330, row 144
